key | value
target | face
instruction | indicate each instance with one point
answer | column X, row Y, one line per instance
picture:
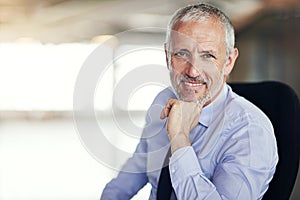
column 199, row 64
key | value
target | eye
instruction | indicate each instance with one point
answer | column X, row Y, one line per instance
column 182, row 53
column 208, row 56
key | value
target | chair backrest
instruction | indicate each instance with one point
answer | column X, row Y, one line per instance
column 280, row 103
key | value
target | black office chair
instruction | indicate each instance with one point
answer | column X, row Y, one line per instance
column 280, row 103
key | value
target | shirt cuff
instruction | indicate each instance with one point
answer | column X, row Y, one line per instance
column 184, row 163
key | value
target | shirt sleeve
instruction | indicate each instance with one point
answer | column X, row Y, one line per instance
column 188, row 180
column 130, row 179
column 133, row 175
column 244, row 168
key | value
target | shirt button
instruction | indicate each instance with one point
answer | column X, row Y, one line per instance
column 173, row 171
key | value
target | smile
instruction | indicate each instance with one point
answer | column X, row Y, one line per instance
column 193, row 84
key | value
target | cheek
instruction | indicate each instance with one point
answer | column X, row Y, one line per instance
column 178, row 67
column 227, row 70
column 220, row 69
column 174, row 77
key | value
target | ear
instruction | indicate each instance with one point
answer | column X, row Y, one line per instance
column 230, row 61
column 166, row 54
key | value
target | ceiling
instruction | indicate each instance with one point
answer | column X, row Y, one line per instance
column 60, row 21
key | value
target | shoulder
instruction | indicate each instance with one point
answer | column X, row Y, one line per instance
column 159, row 102
column 244, row 120
column 247, row 124
column 239, row 109
column 163, row 96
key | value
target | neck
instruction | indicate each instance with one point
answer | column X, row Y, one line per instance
column 213, row 98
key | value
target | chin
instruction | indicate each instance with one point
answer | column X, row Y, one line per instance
column 189, row 96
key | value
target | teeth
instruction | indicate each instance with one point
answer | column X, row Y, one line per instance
column 193, row 84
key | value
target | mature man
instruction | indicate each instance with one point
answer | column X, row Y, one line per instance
column 221, row 145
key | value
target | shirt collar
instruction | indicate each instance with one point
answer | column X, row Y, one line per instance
column 209, row 112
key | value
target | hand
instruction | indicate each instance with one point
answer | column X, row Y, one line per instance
column 182, row 118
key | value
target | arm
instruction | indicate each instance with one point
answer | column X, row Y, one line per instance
column 131, row 178
column 125, row 185
column 240, row 174
column 244, row 165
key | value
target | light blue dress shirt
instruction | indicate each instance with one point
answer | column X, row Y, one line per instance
column 233, row 153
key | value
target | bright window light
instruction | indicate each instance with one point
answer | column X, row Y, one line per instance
column 147, row 64
column 40, row 77
column 36, row 76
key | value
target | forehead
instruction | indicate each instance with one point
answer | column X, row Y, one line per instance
column 205, row 32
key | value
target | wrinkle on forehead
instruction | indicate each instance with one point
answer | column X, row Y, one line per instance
column 207, row 35
column 201, row 20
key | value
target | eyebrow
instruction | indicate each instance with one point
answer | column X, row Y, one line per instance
column 180, row 49
column 200, row 52
column 208, row 51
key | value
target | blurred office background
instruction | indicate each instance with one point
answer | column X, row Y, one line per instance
column 43, row 46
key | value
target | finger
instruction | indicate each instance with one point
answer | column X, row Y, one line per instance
column 166, row 110
column 162, row 114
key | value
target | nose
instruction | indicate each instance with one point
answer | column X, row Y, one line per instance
column 191, row 70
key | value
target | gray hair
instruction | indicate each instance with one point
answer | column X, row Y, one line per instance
column 199, row 12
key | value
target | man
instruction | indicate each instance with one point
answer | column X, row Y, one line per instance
column 221, row 145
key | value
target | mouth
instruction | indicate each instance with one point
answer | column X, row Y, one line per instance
column 195, row 85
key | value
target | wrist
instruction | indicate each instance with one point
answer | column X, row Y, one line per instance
column 178, row 141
